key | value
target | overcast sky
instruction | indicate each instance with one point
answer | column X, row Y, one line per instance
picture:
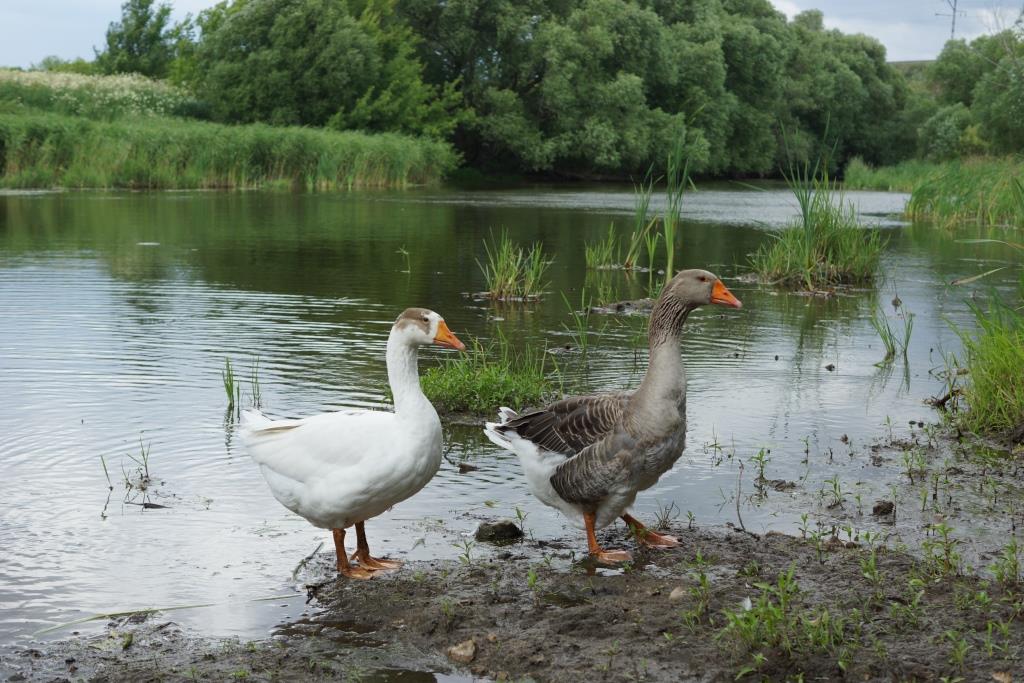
column 909, row 29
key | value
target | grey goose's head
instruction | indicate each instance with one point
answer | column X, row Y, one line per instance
column 421, row 326
column 695, row 287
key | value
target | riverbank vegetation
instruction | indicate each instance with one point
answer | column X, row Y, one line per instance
column 994, row 358
column 53, row 150
column 983, row 190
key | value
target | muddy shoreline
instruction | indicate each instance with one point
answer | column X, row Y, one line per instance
column 725, row 603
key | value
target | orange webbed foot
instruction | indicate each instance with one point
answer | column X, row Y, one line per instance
column 612, row 556
column 651, row 539
column 355, row 572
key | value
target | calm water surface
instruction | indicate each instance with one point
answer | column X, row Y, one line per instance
column 117, row 311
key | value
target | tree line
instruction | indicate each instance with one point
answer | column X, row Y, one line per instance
column 584, row 88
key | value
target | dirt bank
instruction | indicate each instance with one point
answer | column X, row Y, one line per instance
column 725, row 602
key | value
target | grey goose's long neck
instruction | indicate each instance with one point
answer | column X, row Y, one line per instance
column 665, row 374
column 404, row 377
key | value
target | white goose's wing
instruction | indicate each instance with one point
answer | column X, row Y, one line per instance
column 318, row 447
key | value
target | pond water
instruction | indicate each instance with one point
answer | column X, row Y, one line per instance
column 117, row 311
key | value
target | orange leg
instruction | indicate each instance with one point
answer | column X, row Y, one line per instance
column 343, row 566
column 599, row 553
column 362, row 553
column 647, row 537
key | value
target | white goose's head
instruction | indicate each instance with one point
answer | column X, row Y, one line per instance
column 421, row 326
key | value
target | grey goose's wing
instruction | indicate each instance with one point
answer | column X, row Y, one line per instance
column 588, row 477
column 572, row 424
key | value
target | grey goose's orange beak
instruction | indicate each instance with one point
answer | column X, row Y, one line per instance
column 445, row 338
column 721, row 295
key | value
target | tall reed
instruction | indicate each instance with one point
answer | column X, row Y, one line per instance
column 983, row 190
column 51, row 150
column 603, row 253
column 893, row 339
column 643, row 223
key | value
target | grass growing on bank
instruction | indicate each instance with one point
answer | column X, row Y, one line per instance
column 53, row 150
column 983, row 190
column 97, row 97
column 488, row 376
column 994, row 357
column 513, row 274
column 826, row 247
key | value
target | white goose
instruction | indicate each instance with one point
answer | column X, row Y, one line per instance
column 342, row 468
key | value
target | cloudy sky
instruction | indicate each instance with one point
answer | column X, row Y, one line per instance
column 909, row 29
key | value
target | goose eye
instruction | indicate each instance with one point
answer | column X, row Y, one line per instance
column 703, row 279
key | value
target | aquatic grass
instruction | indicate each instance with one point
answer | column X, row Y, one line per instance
column 643, row 224
column 604, row 253
column 994, row 358
column 826, row 247
column 487, row 376
column 232, row 388
column 254, row 383
column 513, row 274
column 982, row 190
column 894, row 339
column 40, row 149
column 579, row 330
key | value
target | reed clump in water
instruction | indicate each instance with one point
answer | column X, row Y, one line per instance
column 982, row 190
column 512, row 273
column 53, row 150
column 994, row 358
column 826, row 247
column 487, row 376
column 604, row 253
column 895, row 338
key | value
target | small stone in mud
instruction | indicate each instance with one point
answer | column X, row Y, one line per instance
column 830, row 367
column 463, row 653
column 504, row 531
column 882, row 508
column 678, row 593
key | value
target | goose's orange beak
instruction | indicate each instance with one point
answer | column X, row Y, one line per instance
column 720, row 294
column 445, row 338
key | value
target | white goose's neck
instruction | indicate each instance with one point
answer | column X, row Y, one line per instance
column 404, row 378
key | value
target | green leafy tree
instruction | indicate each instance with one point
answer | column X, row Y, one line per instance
column 317, row 62
column 140, row 42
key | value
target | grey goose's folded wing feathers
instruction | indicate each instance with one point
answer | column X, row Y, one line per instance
column 572, row 424
column 588, row 477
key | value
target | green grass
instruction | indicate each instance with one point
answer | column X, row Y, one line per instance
column 603, row 253
column 643, row 225
column 826, row 247
column 53, row 150
column 994, row 358
column 513, row 274
column 488, row 376
column 983, row 190
column 893, row 338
